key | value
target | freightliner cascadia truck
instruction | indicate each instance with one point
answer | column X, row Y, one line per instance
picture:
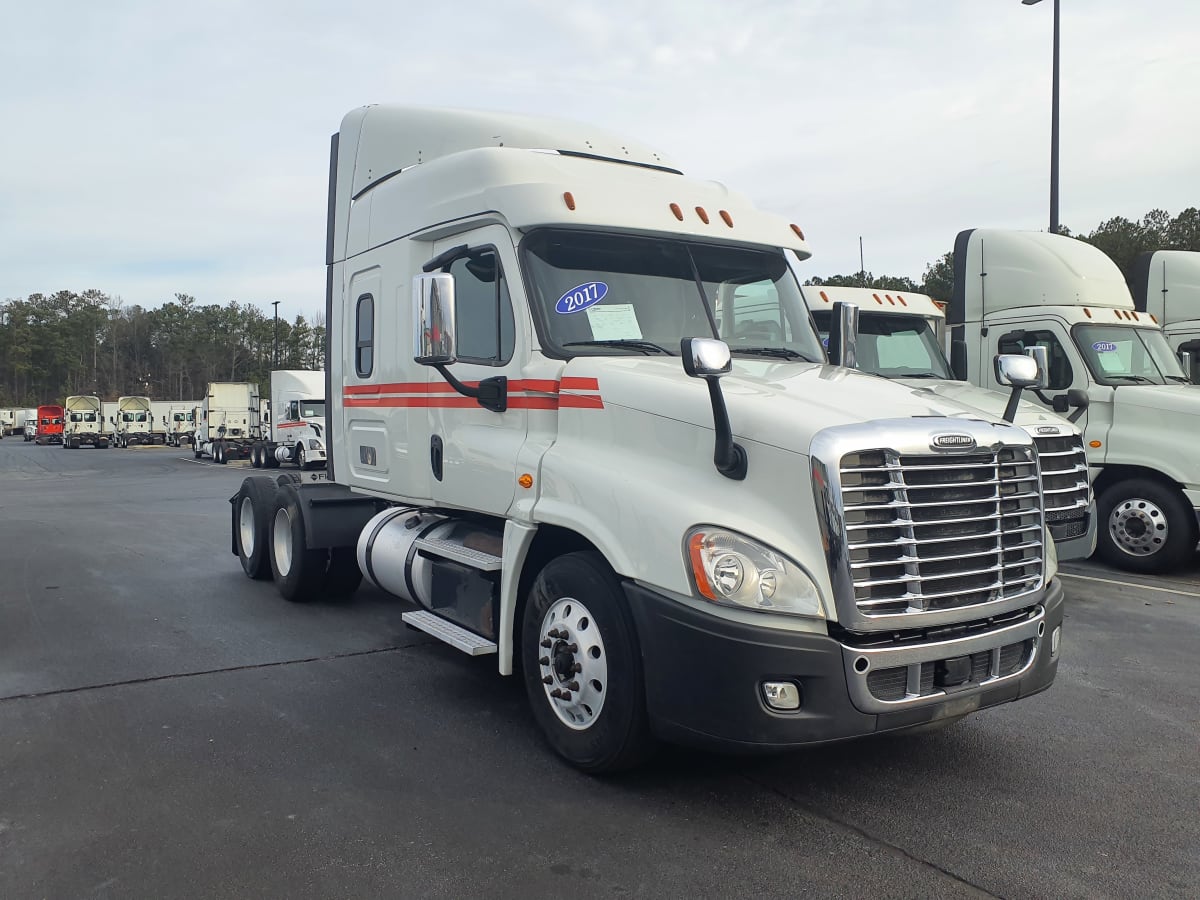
column 84, row 423
column 551, row 432
column 1108, row 362
column 898, row 339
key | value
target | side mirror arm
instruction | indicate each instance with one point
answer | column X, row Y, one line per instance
column 491, row 393
column 728, row 456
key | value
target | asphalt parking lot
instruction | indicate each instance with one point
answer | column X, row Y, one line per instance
column 169, row 728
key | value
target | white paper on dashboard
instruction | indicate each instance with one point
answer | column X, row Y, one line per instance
column 614, row 322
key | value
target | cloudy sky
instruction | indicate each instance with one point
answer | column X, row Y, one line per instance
column 155, row 148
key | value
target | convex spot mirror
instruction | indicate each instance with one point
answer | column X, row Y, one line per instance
column 433, row 319
column 1014, row 370
column 705, row 357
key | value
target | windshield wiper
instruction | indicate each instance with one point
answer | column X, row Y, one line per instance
column 922, row 375
column 1137, row 379
column 1182, row 379
column 778, row 352
column 633, row 344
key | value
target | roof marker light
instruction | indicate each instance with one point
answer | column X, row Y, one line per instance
column 824, row 296
column 877, row 300
column 727, row 218
column 799, row 233
column 901, row 299
column 569, row 199
column 678, row 212
column 702, row 214
column 1154, row 318
column 1087, row 312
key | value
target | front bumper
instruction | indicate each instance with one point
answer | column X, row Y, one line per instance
column 704, row 676
column 1078, row 546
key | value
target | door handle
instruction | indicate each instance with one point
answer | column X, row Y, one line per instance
column 435, row 456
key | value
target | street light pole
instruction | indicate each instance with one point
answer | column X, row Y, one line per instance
column 1054, row 224
column 275, row 352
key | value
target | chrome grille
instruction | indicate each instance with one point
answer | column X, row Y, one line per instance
column 941, row 532
column 1065, row 487
column 919, row 679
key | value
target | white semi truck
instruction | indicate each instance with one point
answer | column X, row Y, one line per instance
column 294, row 421
column 8, row 421
column 1016, row 290
column 565, row 453
column 180, row 423
column 228, row 423
column 897, row 338
column 135, row 423
column 31, row 424
column 83, row 423
column 1167, row 286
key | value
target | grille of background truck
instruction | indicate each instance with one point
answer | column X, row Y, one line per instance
column 1064, row 484
column 941, row 532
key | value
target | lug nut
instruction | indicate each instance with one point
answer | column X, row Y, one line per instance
column 572, row 648
column 547, row 643
column 556, row 693
column 544, row 661
column 546, row 679
column 566, row 695
column 573, row 685
column 577, row 668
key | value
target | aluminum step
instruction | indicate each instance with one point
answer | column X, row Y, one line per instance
column 476, row 559
column 454, row 635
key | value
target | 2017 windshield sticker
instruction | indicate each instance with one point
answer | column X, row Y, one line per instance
column 1102, row 346
column 581, row 297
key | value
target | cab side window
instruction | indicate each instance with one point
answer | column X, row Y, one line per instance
column 1060, row 375
column 364, row 336
column 483, row 310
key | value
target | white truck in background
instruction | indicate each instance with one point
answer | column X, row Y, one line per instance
column 228, row 425
column 294, row 421
column 564, row 454
column 31, row 424
column 8, row 422
column 135, row 423
column 1016, row 290
column 180, row 423
column 897, row 337
column 83, row 423
column 1167, row 286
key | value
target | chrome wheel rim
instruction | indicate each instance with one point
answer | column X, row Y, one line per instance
column 246, row 526
column 282, row 542
column 573, row 664
column 1138, row 526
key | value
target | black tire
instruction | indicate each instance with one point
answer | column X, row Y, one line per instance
column 219, row 454
column 196, row 451
column 343, row 576
column 299, row 573
column 255, row 505
column 300, row 457
column 618, row 737
column 255, row 458
column 1145, row 526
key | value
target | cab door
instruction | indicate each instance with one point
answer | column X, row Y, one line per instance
column 472, row 450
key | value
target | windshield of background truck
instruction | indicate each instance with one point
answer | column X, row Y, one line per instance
column 894, row 346
column 133, row 417
column 1121, row 354
column 588, row 287
column 312, row 409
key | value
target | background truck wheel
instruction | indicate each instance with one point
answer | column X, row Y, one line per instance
column 343, row 576
column 299, row 573
column 1145, row 526
column 196, row 451
column 582, row 668
column 255, row 506
column 301, row 459
column 219, row 454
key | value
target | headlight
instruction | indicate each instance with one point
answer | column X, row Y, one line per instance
column 736, row 571
column 1050, row 554
column 314, row 444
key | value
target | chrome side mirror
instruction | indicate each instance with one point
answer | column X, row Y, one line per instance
column 1042, row 356
column 433, row 319
column 1187, row 359
column 1014, row 370
column 843, row 335
column 706, row 357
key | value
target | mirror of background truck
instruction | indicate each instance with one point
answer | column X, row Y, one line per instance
column 709, row 358
column 433, row 331
column 843, row 335
column 1189, row 358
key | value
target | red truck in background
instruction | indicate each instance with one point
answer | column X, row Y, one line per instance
column 49, row 425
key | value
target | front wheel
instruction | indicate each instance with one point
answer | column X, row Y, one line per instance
column 582, row 668
column 1146, row 526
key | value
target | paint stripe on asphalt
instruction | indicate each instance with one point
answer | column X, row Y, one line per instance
column 1131, row 584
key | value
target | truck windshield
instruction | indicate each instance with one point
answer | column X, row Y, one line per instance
column 894, row 346
column 312, row 409
column 605, row 294
column 1124, row 354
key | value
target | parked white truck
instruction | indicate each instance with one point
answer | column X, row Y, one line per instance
column 1167, row 286
column 31, row 424
column 180, row 423
column 563, row 452
column 897, row 338
column 294, row 423
column 135, row 423
column 228, row 425
column 8, row 422
column 83, row 423
column 1016, row 290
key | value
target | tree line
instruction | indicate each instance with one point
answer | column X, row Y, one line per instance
column 56, row 345
column 1121, row 239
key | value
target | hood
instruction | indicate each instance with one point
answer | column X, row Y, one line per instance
column 1171, row 398
column 1029, row 414
column 783, row 404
